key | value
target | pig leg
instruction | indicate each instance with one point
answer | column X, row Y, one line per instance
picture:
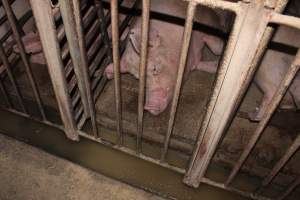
column 259, row 111
column 207, row 66
column 38, row 58
column 109, row 70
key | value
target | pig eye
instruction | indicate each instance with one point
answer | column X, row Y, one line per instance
column 150, row 45
column 156, row 69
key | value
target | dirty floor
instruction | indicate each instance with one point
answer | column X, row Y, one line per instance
column 29, row 173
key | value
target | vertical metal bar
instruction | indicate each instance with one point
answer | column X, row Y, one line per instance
column 12, row 79
column 182, row 63
column 280, row 164
column 116, row 61
column 103, row 28
column 17, row 37
column 290, row 189
column 70, row 11
column 237, row 63
column 85, row 66
column 5, row 95
column 45, row 23
column 142, row 72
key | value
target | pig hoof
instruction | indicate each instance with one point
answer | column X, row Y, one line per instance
column 254, row 116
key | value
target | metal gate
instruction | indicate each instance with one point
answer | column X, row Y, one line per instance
column 72, row 69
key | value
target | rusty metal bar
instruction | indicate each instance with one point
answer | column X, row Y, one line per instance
column 290, row 189
column 182, row 63
column 235, row 68
column 142, row 72
column 116, row 62
column 12, row 79
column 5, row 95
column 13, row 24
column 45, row 23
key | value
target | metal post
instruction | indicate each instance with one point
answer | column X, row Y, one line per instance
column 45, row 23
column 242, row 48
column 116, row 61
column 142, row 72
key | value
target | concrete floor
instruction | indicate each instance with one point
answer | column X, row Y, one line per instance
column 29, row 173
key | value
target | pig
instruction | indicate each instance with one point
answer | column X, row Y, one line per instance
column 272, row 70
column 30, row 38
column 164, row 46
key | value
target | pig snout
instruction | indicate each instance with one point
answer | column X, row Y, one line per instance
column 157, row 101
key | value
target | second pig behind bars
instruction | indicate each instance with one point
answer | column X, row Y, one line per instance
column 164, row 47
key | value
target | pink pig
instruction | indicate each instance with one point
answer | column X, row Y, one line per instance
column 164, row 47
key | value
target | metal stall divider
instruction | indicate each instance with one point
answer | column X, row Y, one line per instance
column 211, row 132
column 237, row 69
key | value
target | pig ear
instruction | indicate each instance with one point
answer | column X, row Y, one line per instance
column 135, row 39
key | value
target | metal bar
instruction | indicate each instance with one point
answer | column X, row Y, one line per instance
column 12, row 79
column 290, row 189
column 103, row 28
column 182, row 63
column 17, row 37
column 116, row 61
column 142, row 72
column 83, row 52
column 224, row 5
column 285, row 20
column 45, row 23
column 261, row 126
column 280, row 164
column 21, row 21
column 147, row 158
column 5, row 95
column 235, row 68
column 70, row 12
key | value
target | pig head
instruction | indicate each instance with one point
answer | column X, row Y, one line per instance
column 164, row 47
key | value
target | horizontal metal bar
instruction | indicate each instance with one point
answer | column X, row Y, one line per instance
column 224, row 5
column 147, row 158
column 285, row 20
